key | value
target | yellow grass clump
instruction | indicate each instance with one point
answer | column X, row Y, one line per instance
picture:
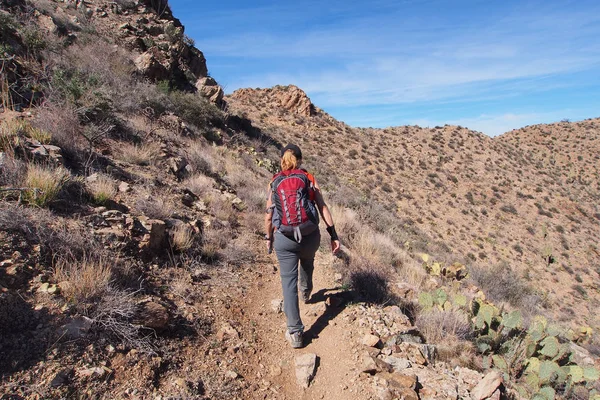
column 103, row 189
column 84, row 280
column 182, row 238
column 44, row 184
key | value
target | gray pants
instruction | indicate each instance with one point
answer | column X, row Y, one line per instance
column 289, row 252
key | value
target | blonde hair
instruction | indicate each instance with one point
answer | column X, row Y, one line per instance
column 289, row 161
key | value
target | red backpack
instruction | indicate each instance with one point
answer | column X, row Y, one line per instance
column 293, row 199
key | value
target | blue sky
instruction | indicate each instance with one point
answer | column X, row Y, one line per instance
column 488, row 65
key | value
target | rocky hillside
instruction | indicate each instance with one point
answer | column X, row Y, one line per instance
column 131, row 259
column 520, row 203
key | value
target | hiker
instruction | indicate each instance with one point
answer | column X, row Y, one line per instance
column 292, row 226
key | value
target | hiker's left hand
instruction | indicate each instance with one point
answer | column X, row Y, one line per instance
column 335, row 246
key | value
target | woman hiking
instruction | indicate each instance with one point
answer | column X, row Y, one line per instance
column 292, row 226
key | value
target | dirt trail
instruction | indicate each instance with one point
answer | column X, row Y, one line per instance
column 328, row 334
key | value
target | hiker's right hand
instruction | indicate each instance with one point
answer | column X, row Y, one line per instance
column 335, row 246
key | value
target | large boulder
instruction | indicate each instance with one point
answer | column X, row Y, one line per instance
column 148, row 64
column 295, row 100
column 210, row 89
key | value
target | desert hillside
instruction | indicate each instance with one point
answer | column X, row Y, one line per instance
column 132, row 263
column 523, row 203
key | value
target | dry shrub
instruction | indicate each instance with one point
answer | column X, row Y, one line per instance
column 254, row 197
column 62, row 123
column 156, row 207
column 501, row 284
column 139, row 154
column 58, row 237
column 370, row 284
column 204, row 159
column 113, row 314
column 199, row 184
column 222, row 208
column 103, row 188
column 182, row 237
column 440, row 325
column 44, row 184
column 181, row 285
column 86, row 279
column 12, row 171
column 374, row 247
column 346, row 222
column 238, row 251
column 214, row 239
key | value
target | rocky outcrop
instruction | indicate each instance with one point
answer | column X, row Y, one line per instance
column 294, row 99
column 291, row 98
column 210, row 89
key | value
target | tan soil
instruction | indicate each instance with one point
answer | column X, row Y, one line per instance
column 328, row 334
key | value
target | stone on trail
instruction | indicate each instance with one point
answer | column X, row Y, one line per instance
column 277, row 305
column 398, row 363
column 370, row 340
column 488, row 385
column 306, row 365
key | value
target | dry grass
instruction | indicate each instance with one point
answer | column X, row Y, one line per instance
column 139, row 154
column 501, row 284
column 103, row 189
column 450, row 331
column 12, row 170
column 45, row 184
column 199, row 184
column 61, row 122
column 222, row 209
column 204, row 158
column 155, row 206
column 86, row 280
column 254, row 197
column 182, row 237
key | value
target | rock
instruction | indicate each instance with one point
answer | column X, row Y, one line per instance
column 62, row 377
column 77, row 327
column 210, row 89
column 410, row 336
column 47, row 153
column 412, row 352
column 43, row 287
column 372, row 365
column 152, row 315
column 337, row 277
column 306, row 365
column 158, row 234
column 231, row 375
column 487, row 386
column 334, row 301
column 277, row 305
column 403, row 381
column 371, row 340
column 149, row 66
column 124, row 187
column 368, row 364
column 581, row 356
column 227, row 332
column 179, row 167
column 54, row 289
column 455, row 271
column 295, row 100
column 93, row 373
column 429, row 352
column 496, row 395
column 398, row 363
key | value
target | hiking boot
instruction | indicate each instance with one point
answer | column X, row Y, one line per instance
column 305, row 297
column 295, row 339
